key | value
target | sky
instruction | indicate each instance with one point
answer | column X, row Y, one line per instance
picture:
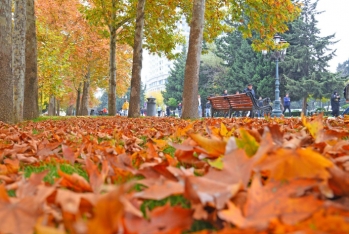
column 335, row 19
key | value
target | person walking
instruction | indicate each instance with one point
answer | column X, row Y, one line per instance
column 208, row 109
column 159, row 110
column 125, row 107
column 199, row 106
column 179, row 107
column 335, row 98
column 168, row 111
column 287, row 104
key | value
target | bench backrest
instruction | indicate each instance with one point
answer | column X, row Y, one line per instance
column 219, row 103
column 240, row 102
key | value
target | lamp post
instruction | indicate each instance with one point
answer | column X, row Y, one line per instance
column 277, row 55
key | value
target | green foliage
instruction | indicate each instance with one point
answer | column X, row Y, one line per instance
column 244, row 66
column 305, row 66
column 52, row 170
column 343, row 68
column 172, row 103
column 174, row 200
column 174, row 85
column 170, row 150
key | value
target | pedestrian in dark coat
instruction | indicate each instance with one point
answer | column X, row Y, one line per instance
column 335, row 98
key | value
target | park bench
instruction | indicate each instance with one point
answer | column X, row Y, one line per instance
column 219, row 104
column 239, row 102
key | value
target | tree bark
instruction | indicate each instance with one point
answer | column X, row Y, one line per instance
column 51, row 106
column 112, row 66
column 57, row 108
column 191, row 76
column 31, row 105
column 6, row 82
column 18, row 49
column 135, row 98
column 77, row 111
column 304, row 106
column 85, row 95
column 70, row 110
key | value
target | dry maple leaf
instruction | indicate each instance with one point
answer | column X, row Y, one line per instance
column 18, row 217
column 160, row 189
column 74, row 181
column 265, row 203
column 212, row 147
column 237, row 167
column 288, row 164
column 96, row 178
column 68, row 154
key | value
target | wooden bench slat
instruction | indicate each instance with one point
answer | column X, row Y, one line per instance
column 237, row 102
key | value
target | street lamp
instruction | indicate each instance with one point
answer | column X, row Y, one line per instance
column 277, row 55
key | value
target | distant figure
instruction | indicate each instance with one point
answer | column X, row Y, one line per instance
column 335, row 98
column 125, row 107
column 168, row 111
column 159, row 110
column 260, row 103
column 179, row 109
column 225, row 93
column 199, row 106
column 249, row 88
column 237, row 92
column 92, row 112
column 208, row 109
column 105, row 111
column 287, row 104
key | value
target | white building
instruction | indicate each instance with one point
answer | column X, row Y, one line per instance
column 156, row 69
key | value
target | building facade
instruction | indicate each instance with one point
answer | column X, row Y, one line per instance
column 156, row 69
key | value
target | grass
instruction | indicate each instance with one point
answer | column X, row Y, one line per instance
column 170, row 150
column 52, row 171
column 174, row 200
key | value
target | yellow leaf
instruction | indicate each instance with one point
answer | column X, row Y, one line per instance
column 213, row 147
column 216, row 163
column 247, row 142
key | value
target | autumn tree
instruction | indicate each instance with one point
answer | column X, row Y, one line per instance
column 265, row 18
column 6, row 87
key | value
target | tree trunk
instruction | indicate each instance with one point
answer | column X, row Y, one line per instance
column 70, row 110
column 112, row 65
column 57, row 108
column 18, row 49
column 85, row 95
column 135, row 95
column 51, row 106
column 31, row 105
column 304, row 107
column 6, row 82
column 191, row 76
column 77, row 111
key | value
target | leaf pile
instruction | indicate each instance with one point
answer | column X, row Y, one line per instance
column 166, row 175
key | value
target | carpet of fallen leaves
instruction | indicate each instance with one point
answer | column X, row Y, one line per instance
column 231, row 176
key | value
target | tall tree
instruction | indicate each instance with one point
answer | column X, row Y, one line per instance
column 264, row 18
column 305, row 66
column 134, row 108
column 6, row 87
column 191, row 75
column 244, row 65
column 343, row 68
column 174, row 83
column 18, row 48
column 31, row 105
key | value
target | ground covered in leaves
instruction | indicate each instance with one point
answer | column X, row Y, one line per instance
column 166, row 175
